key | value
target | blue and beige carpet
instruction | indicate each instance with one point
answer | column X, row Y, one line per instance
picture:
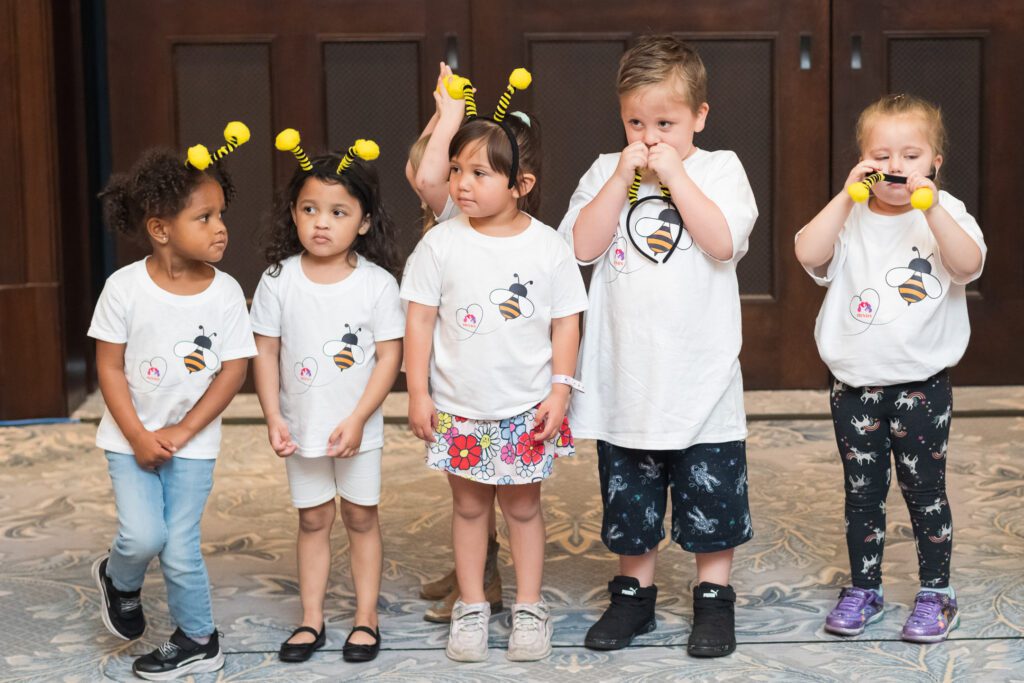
column 57, row 515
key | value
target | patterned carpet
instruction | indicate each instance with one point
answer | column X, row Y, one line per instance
column 57, row 515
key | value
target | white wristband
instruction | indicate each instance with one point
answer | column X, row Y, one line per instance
column 566, row 379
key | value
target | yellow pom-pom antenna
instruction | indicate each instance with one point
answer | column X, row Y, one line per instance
column 460, row 88
column 860, row 191
column 922, row 198
column 236, row 134
column 288, row 141
column 520, row 79
column 199, row 157
column 364, row 149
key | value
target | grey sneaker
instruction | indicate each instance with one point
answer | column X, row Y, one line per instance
column 467, row 635
column 531, row 632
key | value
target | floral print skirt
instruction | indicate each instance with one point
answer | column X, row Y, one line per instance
column 497, row 451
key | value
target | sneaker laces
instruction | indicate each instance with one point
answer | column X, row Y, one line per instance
column 168, row 650
column 927, row 607
column 525, row 620
column 472, row 621
column 853, row 601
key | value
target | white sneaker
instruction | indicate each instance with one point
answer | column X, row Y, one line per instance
column 467, row 636
column 531, row 632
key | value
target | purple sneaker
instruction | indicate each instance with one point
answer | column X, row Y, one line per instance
column 934, row 616
column 857, row 607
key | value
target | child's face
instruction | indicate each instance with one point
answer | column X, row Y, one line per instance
column 328, row 218
column 479, row 190
column 898, row 145
column 198, row 232
column 658, row 113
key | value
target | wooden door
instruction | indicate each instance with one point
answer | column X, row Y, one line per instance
column 964, row 57
column 768, row 64
column 336, row 70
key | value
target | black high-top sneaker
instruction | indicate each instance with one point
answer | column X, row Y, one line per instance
column 180, row 656
column 121, row 610
column 630, row 614
column 714, row 621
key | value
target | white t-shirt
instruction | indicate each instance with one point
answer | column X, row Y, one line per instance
column 892, row 314
column 496, row 297
column 328, row 346
column 174, row 346
column 661, row 342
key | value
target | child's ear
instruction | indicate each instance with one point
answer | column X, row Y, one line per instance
column 702, row 117
column 364, row 227
column 936, row 163
column 525, row 185
column 156, row 228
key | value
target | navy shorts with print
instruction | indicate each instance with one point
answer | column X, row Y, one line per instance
column 708, row 483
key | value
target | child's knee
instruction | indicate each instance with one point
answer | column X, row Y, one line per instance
column 359, row 519
column 520, row 509
column 319, row 518
column 141, row 543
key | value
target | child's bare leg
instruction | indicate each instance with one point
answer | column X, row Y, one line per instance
column 472, row 503
column 313, row 551
column 520, row 505
column 640, row 567
column 367, row 557
column 714, row 567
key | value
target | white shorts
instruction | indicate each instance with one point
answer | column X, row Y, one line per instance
column 314, row 481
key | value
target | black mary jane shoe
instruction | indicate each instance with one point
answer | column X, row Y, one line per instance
column 353, row 652
column 300, row 652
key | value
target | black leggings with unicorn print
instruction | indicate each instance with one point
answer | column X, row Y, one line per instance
column 912, row 421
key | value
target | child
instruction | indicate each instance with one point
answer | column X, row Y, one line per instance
column 328, row 325
column 172, row 342
column 495, row 295
column 427, row 172
column 893, row 320
column 660, row 356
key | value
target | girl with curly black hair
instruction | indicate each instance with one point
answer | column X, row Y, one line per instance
column 172, row 343
column 329, row 328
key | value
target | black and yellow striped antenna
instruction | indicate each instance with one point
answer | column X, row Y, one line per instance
column 236, row 134
column 288, row 141
column 634, row 188
column 364, row 149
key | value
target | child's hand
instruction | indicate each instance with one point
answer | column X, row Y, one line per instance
column 280, row 437
column 151, row 449
column 664, row 160
column 860, row 171
column 422, row 417
column 916, row 180
column 634, row 156
column 346, row 438
column 177, row 435
column 448, row 108
column 551, row 413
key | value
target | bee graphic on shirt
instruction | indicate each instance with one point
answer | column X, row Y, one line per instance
column 657, row 232
column 198, row 354
column 513, row 302
column 915, row 282
column 346, row 351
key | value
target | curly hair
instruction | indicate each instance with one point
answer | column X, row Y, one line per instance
column 157, row 186
column 281, row 239
column 499, row 151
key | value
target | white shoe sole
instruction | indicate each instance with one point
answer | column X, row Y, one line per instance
column 105, row 599
column 524, row 657
column 465, row 657
column 200, row 667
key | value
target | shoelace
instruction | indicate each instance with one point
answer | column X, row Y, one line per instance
column 168, row 650
column 130, row 604
column 852, row 602
column 524, row 620
column 926, row 609
column 474, row 621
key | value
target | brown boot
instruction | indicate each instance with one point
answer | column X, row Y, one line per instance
column 441, row 612
column 437, row 590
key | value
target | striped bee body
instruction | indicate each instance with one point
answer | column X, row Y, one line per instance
column 660, row 241
column 344, row 359
column 510, row 308
column 913, row 291
column 194, row 362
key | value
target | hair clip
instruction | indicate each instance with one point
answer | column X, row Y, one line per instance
column 288, row 141
column 364, row 149
column 236, row 134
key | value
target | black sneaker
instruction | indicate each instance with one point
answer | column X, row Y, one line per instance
column 630, row 614
column 121, row 611
column 180, row 656
column 714, row 621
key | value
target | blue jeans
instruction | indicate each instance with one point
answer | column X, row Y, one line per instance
column 158, row 513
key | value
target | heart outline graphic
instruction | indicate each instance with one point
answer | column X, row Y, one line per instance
column 309, row 365
column 469, row 318
column 153, row 371
column 864, row 306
